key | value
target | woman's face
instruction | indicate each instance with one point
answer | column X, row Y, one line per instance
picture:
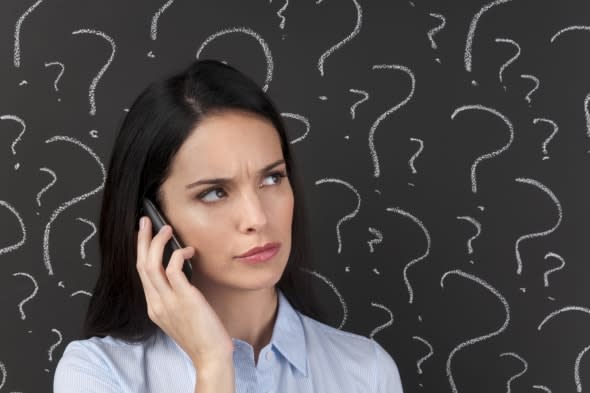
column 223, row 220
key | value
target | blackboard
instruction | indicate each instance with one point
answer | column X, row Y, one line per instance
column 444, row 147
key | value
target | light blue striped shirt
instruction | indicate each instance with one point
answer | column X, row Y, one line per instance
column 303, row 356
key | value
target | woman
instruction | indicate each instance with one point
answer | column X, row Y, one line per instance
column 209, row 148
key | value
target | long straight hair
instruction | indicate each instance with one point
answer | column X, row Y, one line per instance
column 157, row 124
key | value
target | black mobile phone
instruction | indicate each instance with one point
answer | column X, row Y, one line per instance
column 158, row 221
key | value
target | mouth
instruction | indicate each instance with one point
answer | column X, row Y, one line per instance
column 260, row 254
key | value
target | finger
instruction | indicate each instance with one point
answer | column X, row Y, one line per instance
column 176, row 276
column 153, row 266
column 143, row 241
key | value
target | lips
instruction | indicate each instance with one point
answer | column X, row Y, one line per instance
column 256, row 250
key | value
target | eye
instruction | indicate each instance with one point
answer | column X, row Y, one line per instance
column 278, row 175
column 211, row 191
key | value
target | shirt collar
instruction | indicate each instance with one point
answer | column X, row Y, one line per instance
column 288, row 336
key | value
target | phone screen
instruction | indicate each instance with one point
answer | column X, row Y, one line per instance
column 158, row 221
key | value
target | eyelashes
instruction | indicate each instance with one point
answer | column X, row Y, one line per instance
column 278, row 174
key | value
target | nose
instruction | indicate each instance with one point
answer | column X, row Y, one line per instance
column 251, row 212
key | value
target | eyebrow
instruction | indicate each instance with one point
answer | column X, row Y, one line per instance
column 220, row 180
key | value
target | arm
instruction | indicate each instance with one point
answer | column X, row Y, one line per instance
column 216, row 378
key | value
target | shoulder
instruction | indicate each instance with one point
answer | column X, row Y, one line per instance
column 91, row 362
column 357, row 353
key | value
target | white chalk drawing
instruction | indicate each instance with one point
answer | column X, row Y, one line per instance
column 22, row 241
column 415, row 260
column 381, row 117
column 48, row 186
column 377, row 240
column 81, row 293
column 480, row 338
column 537, row 234
column 471, row 32
column 62, row 68
column 250, row 32
column 543, row 388
column 280, row 14
column 509, row 61
column 537, row 83
column 82, row 252
column 336, row 291
column 32, row 295
column 519, row 374
column 382, row 326
column 65, row 205
column 562, row 310
column 429, row 354
column 577, row 369
column 54, row 345
column 3, row 371
column 472, row 238
column 156, row 18
column 18, row 138
column 436, row 29
column 493, row 153
column 570, row 28
column 349, row 215
column 555, row 129
column 411, row 162
column 302, row 119
column 587, row 113
column 357, row 29
column 17, row 30
column 365, row 98
column 96, row 79
column 548, row 272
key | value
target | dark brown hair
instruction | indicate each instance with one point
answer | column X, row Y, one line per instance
column 158, row 123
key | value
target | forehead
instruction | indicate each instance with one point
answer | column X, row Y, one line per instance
column 225, row 142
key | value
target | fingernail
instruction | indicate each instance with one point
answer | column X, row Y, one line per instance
column 141, row 222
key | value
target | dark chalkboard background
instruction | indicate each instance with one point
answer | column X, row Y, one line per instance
column 455, row 276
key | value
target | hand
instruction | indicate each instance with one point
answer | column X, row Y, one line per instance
column 175, row 305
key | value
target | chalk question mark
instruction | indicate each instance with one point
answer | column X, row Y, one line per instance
column 509, row 61
column 429, row 354
column 377, row 240
column 477, row 226
column 537, row 83
column 32, row 295
column 348, row 216
column 480, row 338
column 381, row 117
column 411, row 162
column 104, row 67
column 435, row 30
column 384, row 325
column 17, row 30
column 357, row 29
column 48, row 186
column 537, row 234
column 82, row 251
column 579, row 357
column 365, row 98
column 65, row 205
column 334, row 289
column 250, row 32
column 24, row 127
column 59, row 339
column 415, row 260
column 555, row 129
column 154, row 24
column 491, row 154
column 59, row 75
column 280, row 14
column 13, row 247
column 302, row 119
column 524, row 362
column 548, row 272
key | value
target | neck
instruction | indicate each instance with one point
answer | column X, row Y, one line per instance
column 248, row 315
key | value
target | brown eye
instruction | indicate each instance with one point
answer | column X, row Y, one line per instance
column 212, row 191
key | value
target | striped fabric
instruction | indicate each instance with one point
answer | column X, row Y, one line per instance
column 304, row 356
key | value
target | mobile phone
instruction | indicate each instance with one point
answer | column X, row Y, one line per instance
column 158, row 221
